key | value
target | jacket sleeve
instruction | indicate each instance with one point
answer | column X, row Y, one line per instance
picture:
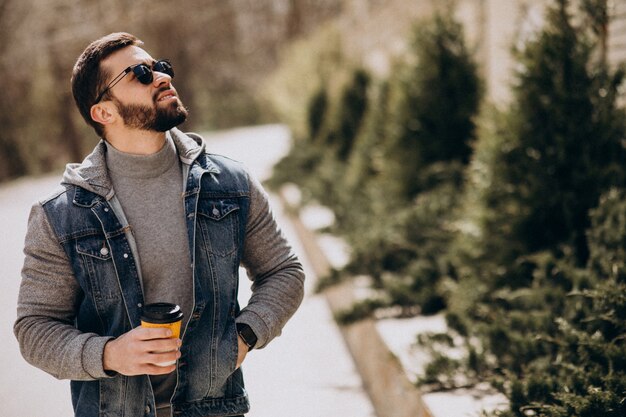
column 48, row 299
column 277, row 275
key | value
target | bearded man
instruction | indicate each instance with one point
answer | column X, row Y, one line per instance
column 150, row 217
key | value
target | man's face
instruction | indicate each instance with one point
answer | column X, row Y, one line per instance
column 154, row 106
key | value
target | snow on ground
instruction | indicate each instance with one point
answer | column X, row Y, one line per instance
column 316, row 217
column 400, row 335
column 463, row 403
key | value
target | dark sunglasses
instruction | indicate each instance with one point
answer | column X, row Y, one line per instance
column 143, row 73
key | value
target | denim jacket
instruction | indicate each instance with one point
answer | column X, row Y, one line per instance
column 88, row 224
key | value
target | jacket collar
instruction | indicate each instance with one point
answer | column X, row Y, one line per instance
column 92, row 174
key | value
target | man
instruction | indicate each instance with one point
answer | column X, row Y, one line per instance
column 149, row 216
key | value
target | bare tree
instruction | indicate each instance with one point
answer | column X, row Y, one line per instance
column 222, row 50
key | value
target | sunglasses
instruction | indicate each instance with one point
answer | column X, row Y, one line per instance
column 143, row 73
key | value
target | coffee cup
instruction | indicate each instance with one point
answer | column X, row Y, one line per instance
column 165, row 315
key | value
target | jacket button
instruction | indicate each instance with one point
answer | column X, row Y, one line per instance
column 147, row 409
column 104, row 251
column 125, row 256
column 106, row 209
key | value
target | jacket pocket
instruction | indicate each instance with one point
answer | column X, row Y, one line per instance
column 218, row 221
column 98, row 265
column 93, row 246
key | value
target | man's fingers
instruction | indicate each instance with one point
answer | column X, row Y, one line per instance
column 148, row 363
column 158, row 370
column 137, row 352
column 149, row 333
column 163, row 357
column 160, row 345
column 151, row 369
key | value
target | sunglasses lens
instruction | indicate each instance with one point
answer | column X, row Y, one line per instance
column 165, row 67
column 143, row 74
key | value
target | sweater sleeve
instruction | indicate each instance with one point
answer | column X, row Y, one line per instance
column 277, row 275
column 48, row 298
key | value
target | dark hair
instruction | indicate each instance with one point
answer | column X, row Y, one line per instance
column 88, row 78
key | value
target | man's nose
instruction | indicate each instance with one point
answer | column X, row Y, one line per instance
column 161, row 78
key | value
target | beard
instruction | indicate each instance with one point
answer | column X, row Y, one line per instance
column 154, row 118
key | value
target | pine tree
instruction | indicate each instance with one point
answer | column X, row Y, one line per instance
column 432, row 117
column 550, row 322
column 561, row 144
column 352, row 109
column 410, row 163
column 584, row 374
column 316, row 112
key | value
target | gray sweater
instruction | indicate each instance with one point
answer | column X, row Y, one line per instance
column 49, row 292
column 149, row 188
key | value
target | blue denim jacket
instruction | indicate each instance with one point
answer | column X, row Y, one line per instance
column 97, row 244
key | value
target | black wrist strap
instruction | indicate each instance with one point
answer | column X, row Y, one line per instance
column 247, row 335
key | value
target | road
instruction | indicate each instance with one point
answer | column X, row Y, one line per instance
column 307, row 372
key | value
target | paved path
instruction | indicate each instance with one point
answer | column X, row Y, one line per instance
column 307, row 372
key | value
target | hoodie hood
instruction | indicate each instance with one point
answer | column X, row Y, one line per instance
column 92, row 173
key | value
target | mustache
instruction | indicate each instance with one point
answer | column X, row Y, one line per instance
column 160, row 90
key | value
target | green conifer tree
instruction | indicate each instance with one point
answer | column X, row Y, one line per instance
column 583, row 373
column 407, row 168
column 316, row 112
column 560, row 146
column 432, row 118
column 549, row 322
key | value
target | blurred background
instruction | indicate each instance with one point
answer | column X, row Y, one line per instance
column 472, row 153
column 238, row 62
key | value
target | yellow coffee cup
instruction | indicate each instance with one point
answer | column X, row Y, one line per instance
column 166, row 315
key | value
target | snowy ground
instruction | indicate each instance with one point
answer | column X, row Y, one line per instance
column 400, row 335
column 307, row 372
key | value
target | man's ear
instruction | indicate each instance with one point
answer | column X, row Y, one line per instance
column 102, row 113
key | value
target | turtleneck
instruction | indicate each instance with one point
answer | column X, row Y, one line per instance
column 141, row 166
column 149, row 189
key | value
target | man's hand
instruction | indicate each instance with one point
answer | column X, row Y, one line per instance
column 134, row 352
column 242, row 351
